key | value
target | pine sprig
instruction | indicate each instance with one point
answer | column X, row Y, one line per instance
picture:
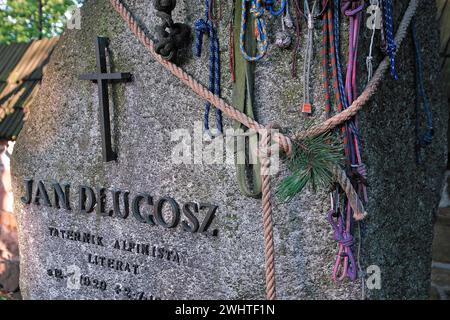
column 311, row 165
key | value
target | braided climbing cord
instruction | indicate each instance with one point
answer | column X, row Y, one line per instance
column 309, row 14
column 337, row 46
column 269, row 5
column 298, row 29
column 328, row 43
column 426, row 138
column 324, row 55
column 345, row 259
column 257, row 8
column 389, row 33
column 231, row 43
column 345, row 263
column 373, row 23
column 340, row 82
column 307, row 108
column 257, row 11
column 353, row 10
column 284, row 142
column 202, row 27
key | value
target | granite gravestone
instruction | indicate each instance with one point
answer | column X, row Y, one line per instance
column 161, row 230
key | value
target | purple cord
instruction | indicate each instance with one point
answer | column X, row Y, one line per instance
column 341, row 222
column 345, row 254
column 352, row 10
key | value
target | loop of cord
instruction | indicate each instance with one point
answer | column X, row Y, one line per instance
column 285, row 143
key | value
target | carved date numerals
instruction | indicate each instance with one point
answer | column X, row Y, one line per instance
column 94, row 283
column 131, row 294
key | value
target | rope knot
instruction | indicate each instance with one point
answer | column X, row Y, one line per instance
column 283, row 39
column 346, row 240
column 260, row 30
column 389, row 32
column 201, row 27
column 359, row 173
column 353, row 11
column 257, row 11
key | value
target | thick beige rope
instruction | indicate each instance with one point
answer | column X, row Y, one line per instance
column 233, row 113
column 358, row 209
column 269, row 251
column 198, row 88
column 284, row 142
column 371, row 87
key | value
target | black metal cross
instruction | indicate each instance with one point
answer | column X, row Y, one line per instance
column 102, row 78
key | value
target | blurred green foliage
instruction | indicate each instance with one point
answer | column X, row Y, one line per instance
column 19, row 19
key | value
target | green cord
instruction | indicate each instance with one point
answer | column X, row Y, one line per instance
column 248, row 175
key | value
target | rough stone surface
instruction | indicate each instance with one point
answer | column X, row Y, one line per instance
column 404, row 196
column 61, row 141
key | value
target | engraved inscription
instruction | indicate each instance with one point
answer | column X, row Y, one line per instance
column 164, row 212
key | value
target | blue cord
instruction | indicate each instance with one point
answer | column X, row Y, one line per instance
column 351, row 128
column 206, row 27
column 341, row 86
column 269, row 6
column 389, row 31
column 427, row 137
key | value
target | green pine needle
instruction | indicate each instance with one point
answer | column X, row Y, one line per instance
column 311, row 165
